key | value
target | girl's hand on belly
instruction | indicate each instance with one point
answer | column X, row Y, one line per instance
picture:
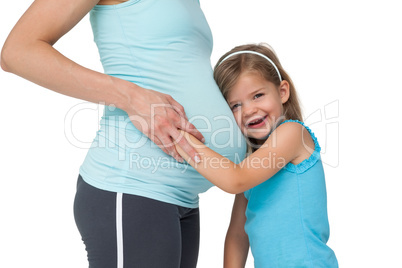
column 161, row 118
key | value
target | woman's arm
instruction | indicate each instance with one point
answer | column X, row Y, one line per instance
column 236, row 243
column 29, row 53
column 283, row 145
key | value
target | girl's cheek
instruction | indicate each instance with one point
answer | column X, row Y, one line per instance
column 242, row 129
column 238, row 120
column 240, row 125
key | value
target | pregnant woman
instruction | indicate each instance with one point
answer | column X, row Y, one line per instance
column 137, row 201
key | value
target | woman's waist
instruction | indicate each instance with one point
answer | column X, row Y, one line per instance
column 136, row 172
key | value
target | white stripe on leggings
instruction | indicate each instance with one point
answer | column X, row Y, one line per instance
column 119, row 229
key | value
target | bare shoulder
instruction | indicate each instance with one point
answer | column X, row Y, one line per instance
column 290, row 131
column 302, row 137
column 291, row 126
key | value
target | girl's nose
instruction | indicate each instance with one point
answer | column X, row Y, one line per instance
column 249, row 109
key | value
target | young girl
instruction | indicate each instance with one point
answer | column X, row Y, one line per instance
column 282, row 213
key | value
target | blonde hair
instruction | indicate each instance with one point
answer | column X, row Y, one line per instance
column 227, row 73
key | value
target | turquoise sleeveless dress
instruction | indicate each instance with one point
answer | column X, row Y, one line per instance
column 163, row 45
column 287, row 222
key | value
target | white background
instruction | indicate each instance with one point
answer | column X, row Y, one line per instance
column 345, row 59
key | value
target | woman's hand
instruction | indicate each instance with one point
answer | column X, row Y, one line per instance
column 161, row 118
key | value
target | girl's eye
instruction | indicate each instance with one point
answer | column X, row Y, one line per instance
column 235, row 106
column 259, row 95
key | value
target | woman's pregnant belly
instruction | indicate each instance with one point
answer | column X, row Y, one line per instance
column 123, row 159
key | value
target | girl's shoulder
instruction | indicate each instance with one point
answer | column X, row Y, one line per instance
column 298, row 128
column 294, row 126
column 309, row 146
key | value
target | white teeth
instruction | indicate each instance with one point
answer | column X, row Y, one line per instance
column 258, row 120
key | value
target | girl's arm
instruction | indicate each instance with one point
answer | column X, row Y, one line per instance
column 29, row 53
column 236, row 243
column 284, row 145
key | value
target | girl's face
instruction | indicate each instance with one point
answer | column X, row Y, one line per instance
column 257, row 104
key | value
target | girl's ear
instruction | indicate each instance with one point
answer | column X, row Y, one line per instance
column 284, row 91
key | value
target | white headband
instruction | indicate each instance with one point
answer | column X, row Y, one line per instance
column 256, row 53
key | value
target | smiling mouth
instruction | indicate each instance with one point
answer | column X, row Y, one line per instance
column 257, row 123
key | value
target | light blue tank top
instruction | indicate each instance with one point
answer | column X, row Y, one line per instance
column 287, row 222
column 163, row 45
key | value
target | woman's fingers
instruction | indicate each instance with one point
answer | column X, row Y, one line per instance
column 167, row 130
column 186, row 145
column 161, row 121
column 168, row 144
column 190, row 128
column 176, row 106
column 167, row 148
column 180, row 123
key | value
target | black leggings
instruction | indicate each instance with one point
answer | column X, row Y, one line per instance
column 128, row 231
